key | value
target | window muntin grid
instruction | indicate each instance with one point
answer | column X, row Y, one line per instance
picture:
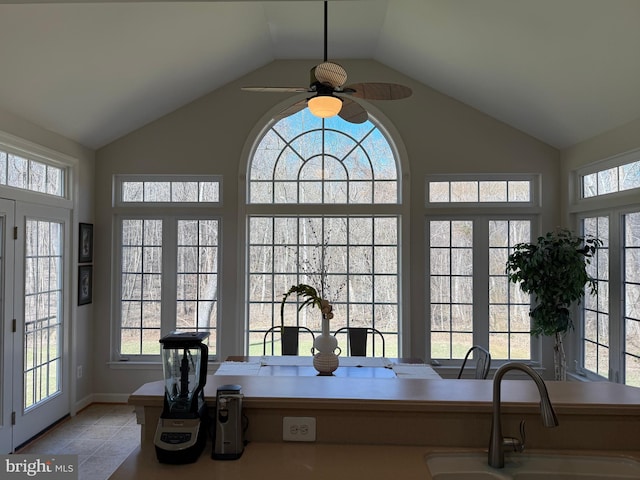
column 353, row 260
column 480, row 191
column 618, row 178
column 451, row 287
column 309, row 162
column 197, row 278
column 141, row 286
column 460, row 316
column 42, row 311
column 631, row 289
column 595, row 307
column 303, row 159
column 147, row 273
column 18, row 171
column 162, row 190
column 509, row 322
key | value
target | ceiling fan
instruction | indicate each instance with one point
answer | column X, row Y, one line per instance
column 327, row 83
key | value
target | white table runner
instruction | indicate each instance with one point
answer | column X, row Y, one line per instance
column 412, row 370
column 238, row 368
column 252, row 367
column 300, row 361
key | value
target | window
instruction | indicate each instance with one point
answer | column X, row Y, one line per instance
column 451, row 287
column 168, row 266
column 596, row 307
column 441, row 189
column 18, row 171
column 610, row 320
column 631, row 288
column 323, row 208
column 509, row 322
column 465, row 309
column 144, row 190
column 611, row 180
column 470, row 299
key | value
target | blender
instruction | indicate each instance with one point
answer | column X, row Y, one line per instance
column 181, row 433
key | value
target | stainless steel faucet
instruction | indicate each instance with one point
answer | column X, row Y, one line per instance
column 497, row 441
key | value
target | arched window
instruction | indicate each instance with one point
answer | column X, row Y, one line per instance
column 323, row 208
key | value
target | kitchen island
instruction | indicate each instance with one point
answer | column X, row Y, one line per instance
column 382, row 428
column 421, row 412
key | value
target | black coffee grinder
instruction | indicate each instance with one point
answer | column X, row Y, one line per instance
column 182, row 429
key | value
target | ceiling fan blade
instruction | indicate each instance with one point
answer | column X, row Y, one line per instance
column 295, row 108
column 276, row 89
column 378, row 91
column 330, row 74
column 353, row 112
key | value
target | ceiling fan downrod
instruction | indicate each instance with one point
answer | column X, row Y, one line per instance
column 326, row 9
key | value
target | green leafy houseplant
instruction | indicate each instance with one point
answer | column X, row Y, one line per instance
column 554, row 271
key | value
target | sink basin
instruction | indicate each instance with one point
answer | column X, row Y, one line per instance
column 531, row 466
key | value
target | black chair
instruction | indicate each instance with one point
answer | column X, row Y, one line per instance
column 289, row 338
column 483, row 362
column 358, row 337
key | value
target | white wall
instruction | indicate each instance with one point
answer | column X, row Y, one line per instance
column 208, row 136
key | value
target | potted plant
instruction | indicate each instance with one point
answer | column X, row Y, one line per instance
column 554, row 271
column 325, row 360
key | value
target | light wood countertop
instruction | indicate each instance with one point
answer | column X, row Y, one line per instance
column 278, row 461
column 407, row 394
column 428, row 412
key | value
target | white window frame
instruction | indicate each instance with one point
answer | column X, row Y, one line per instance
column 534, row 190
column 616, row 297
column 480, row 301
column 120, row 179
column 614, row 199
column 169, row 213
column 484, row 212
column 31, row 151
column 614, row 205
column 399, row 209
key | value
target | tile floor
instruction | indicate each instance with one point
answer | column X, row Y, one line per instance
column 102, row 435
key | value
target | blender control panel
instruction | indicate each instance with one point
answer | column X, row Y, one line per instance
column 175, row 438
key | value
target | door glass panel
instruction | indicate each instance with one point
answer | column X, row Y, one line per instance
column 42, row 311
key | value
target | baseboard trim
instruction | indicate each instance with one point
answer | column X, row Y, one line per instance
column 101, row 398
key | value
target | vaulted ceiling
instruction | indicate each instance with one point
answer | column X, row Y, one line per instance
column 561, row 70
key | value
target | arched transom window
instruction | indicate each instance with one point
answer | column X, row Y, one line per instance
column 323, row 207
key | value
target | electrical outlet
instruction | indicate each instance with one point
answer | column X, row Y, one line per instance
column 299, row 429
column 79, row 371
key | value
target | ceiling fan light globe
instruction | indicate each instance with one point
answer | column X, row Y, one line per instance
column 324, row 106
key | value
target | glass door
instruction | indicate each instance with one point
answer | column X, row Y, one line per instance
column 6, row 321
column 41, row 377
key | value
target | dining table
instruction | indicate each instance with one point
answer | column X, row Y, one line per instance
column 354, row 367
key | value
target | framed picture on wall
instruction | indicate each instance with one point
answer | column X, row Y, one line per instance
column 85, row 249
column 85, row 284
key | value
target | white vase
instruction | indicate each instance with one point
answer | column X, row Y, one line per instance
column 325, row 358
